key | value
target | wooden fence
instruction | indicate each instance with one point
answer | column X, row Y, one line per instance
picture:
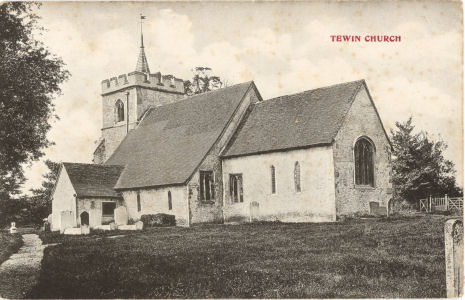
column 441, row 203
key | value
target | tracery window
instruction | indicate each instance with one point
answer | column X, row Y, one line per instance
column 364, row 166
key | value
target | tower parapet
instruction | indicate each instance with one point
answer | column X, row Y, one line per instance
column 156, row 81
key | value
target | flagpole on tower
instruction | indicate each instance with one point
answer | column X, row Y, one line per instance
column 142, row 17
column 142, row 64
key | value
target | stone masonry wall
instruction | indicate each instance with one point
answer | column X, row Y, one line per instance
column 93, row 206
column 361, row 121
column 63, row 198
column 155, row 200
column 315, row 202
column 211, row 211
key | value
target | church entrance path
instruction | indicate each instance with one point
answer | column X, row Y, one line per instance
column 19, row 274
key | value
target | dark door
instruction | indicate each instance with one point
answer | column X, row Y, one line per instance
column 85, row 218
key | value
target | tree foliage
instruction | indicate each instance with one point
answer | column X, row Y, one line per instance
column 202, row 81
column 419, row 167
column 30, row 78
column 41, row 200
column 31, row 210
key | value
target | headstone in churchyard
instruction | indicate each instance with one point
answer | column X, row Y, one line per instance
column 139, row 225
column 254, row 211
column 67, row 220
column 453, row 240
column 113, row 226
column 121, row 216
column 13, row 227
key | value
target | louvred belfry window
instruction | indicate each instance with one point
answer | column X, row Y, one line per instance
column 364, row 168
column 119, row 111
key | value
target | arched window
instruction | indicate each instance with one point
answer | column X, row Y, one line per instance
column 139, row 208
column 297, row 176
column 364, row 168
column 273, row 180
column 119, row 111
column 170, row 204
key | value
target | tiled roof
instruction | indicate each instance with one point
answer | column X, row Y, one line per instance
column 92, row 180
column 294, row 121
column 172, row 140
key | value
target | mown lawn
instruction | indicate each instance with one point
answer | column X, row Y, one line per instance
column 9, row 244
column 398, row 257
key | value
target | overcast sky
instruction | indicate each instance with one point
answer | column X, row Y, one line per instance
column 284, row 47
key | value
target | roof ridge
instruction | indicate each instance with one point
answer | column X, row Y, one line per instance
column 89, row 164
column 315, row 89
column 216, row 90
column 153, row 108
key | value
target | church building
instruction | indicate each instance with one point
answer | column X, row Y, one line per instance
column 228, row 156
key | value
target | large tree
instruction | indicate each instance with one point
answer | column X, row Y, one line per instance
column 30, row 79
column 202, row 81
column 419, row 167
column 41, row 199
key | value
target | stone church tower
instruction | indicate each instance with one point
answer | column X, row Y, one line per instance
column 127, row 97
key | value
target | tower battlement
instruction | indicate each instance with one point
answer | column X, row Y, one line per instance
column 156, row 81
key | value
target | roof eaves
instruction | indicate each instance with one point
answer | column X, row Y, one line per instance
column 121, row 189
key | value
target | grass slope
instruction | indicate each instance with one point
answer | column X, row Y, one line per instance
column 401, row 257
column 9, row 244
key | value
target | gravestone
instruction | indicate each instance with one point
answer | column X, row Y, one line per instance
column 453, row 240
column 13, row 227
column 113, row 226
column 254, row 211
column 139, row 225
column 67, row 220
column 121, row 216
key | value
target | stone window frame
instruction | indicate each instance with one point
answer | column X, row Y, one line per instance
column 373, row 157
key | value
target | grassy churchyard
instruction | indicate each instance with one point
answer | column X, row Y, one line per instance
column 395, row 257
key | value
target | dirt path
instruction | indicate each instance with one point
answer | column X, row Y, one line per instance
column 20, row 272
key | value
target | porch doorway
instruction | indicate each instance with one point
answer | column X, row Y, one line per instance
column 85, row 218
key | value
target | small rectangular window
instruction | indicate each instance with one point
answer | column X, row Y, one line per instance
column 235, row 188
column 108, row 208
column 207, row 186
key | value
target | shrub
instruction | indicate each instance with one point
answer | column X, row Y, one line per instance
column 158, row 220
